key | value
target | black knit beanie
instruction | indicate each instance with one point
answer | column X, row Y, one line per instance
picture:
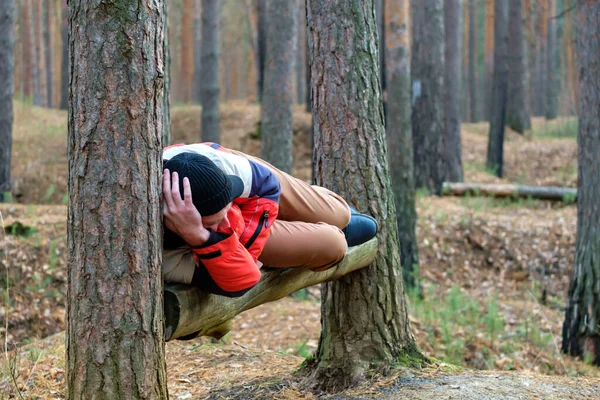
column 212, row 190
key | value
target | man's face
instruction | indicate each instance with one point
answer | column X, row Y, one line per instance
column 218, row 221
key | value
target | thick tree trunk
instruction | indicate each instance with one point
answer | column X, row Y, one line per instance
column 301, row 54
column 115, row 339
column 364, row 318
column 517, row 112
column 48, row 47
column 473, row 99
column 581, row 329
column 495, row 151
column 261, row 45
column 210, row 71
column 7, row 44
column 427, row 71
column 399, row 133
column 64, row 67
column 278, row 96
column 197, row 51
column 553, row 63
column 453, row 89
column 187, row 51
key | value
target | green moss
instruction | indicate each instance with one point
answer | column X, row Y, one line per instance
column 413, row 358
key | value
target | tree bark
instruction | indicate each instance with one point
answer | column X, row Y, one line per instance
column 7, row 44
column 427, row 71
column 552, row 69
column 190, row 312
column 187, row 51
column 261, row 44
column 64, row 68
column 115, row 339
column 495, row 151
column 210, row 71
column 453, row 89
column 364, row 319
column 278, row 96
column 517, row 112
column 301, row 54
column 399, row 133
column 581, row 329
column 48, row 47
column 473, row 99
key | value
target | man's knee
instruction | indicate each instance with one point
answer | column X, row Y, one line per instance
column 332, row 250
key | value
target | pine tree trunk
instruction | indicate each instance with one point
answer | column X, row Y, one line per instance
column 495, row 152
column 379, row 10
column 530, row 43
column 517, row 112
column 453, row 89
column 581, row 329
column 197, row 50
column 7, row 44
column 64, row 68
column 488, row 57
column 29, row 84
column 427, row 71
column 553, row 61
column 166, row 136
column 364, row 318
column 540, row 59
column 187, row 50
column 301, row 54
column 210, row 71
column 48, row 53
column 39, row 97
column 261, row 43
column 278, row 96
column 473, row 99
column 18, row 53
column 465, row 62
column 399, row 133
column 115, row 339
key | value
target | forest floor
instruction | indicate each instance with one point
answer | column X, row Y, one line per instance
column 494, row 275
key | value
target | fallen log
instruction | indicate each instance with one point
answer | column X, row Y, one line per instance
column 191, row 312
column 553, row 193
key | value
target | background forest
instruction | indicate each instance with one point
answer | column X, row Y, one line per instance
column 487, row 277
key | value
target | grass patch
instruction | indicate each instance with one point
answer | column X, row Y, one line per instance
column 558, row 129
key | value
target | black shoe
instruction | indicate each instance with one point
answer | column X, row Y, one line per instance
column 360, row 229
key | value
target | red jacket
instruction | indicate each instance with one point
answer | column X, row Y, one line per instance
column 230, row 255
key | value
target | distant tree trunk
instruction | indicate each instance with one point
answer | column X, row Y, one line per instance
column 364, row 319
column 115, row 340
column 399, row 133
column 39, row 97
column 495, row 152
column 473, row 99
column 453, row 89
column 197, row 50
column 48, row 46
column 464, row 106
column 553, row 61
column 379, row 11
column 541, row 60
column 187, row 50
column 166, row 134
column 18, row 53
column 531, row 51
column 64, row 68
column 7, row 44
column 174, row 49
column 301, row 54
column 278, row 96
column 517, row 112
column 261, row 43
column 29, row 84
column 210, row 71
column 427, row 71
column 572, row 77
column 308, row 81
column 488, row 56
column 581, row 336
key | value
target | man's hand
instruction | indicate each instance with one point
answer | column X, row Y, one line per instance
column 181, row 216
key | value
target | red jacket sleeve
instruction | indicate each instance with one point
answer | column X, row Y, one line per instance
column 228, row 262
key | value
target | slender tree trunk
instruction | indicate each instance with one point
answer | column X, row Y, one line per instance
column 166, row 134
column 364, row 319
column 7, row 44
column 29, row 84
column 197, row 50
column 465, row 63
column 187, row 50
column 473, row 99
column 489, row 56
column 64, row 68
column 495, row 152
column 261, row 43
column 427, row 71
column 531, row 43
column 399, row 133
column 553, row 61
column 48, row 45
column 572, row 83
column 308, row 80
column 39, row 97
column 277, row 99
column 453, row 89
column 379, row 11
column 210, row 71
column 174, row 50
column 541, row 60
column 581, row 329
column 115, row 339
column 517, row 112
column 301, row 54
column 18, row 53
